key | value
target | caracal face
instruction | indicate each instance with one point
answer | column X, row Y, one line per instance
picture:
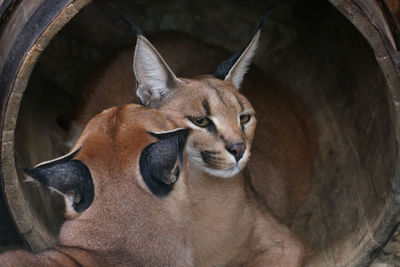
column 222, row 123
column 221, row 119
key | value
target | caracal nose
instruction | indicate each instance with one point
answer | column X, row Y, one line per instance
column 237, row 150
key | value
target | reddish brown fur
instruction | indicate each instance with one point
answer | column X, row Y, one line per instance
column 126, row 224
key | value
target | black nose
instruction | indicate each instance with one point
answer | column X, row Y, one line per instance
column 237, row 150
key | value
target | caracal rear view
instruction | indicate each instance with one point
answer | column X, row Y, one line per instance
column 125, row 189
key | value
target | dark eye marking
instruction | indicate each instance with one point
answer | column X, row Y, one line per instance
column 240, row 103
column 217, row 91
column 212, row 129
column 224, row 139
column 206, row 107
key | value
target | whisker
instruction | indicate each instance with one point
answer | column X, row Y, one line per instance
column 211, row 152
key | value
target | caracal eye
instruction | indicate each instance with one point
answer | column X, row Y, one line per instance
column 200, row 121
column 244, row 118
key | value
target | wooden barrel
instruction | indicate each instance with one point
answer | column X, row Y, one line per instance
column 27, row 31
column 339, row 56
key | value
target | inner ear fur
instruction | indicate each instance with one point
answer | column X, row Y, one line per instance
column 155, row 79
column 161, row 162
column 69, row 177
column 239, row 69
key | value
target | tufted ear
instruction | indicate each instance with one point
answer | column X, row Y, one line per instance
column 155, row 80
column 234, row 68
column 160, row 163
column 71, row 178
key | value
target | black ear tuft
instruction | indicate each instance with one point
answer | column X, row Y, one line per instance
column 160, row 162
column 71, row 178
column 225, row 67
column 110, row 10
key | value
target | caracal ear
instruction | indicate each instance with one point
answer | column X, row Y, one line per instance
column 239, row 69
column 234, row 68
column 161, row 162
column 155, row 80
column 69, row 177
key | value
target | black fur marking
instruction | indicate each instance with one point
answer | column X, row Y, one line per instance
column 221, row 98
column 68, row 177
column 212, row 128
column 211, row 152
column 158, row 161
column 223, row 69
column 135, row 28
column 206, row 107
column 207, row 159
column 210, row 159
column 240, row 103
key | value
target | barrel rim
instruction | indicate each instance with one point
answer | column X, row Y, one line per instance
column 48, row 18
column 373, row 21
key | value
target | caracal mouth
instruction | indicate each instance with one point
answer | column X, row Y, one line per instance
column 231, row 169
column 223, row 173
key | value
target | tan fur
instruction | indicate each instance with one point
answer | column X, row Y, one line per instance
column 232, row 229
column 126, row 225
column 230, row 226
column 225, row 116
column 284, row 141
